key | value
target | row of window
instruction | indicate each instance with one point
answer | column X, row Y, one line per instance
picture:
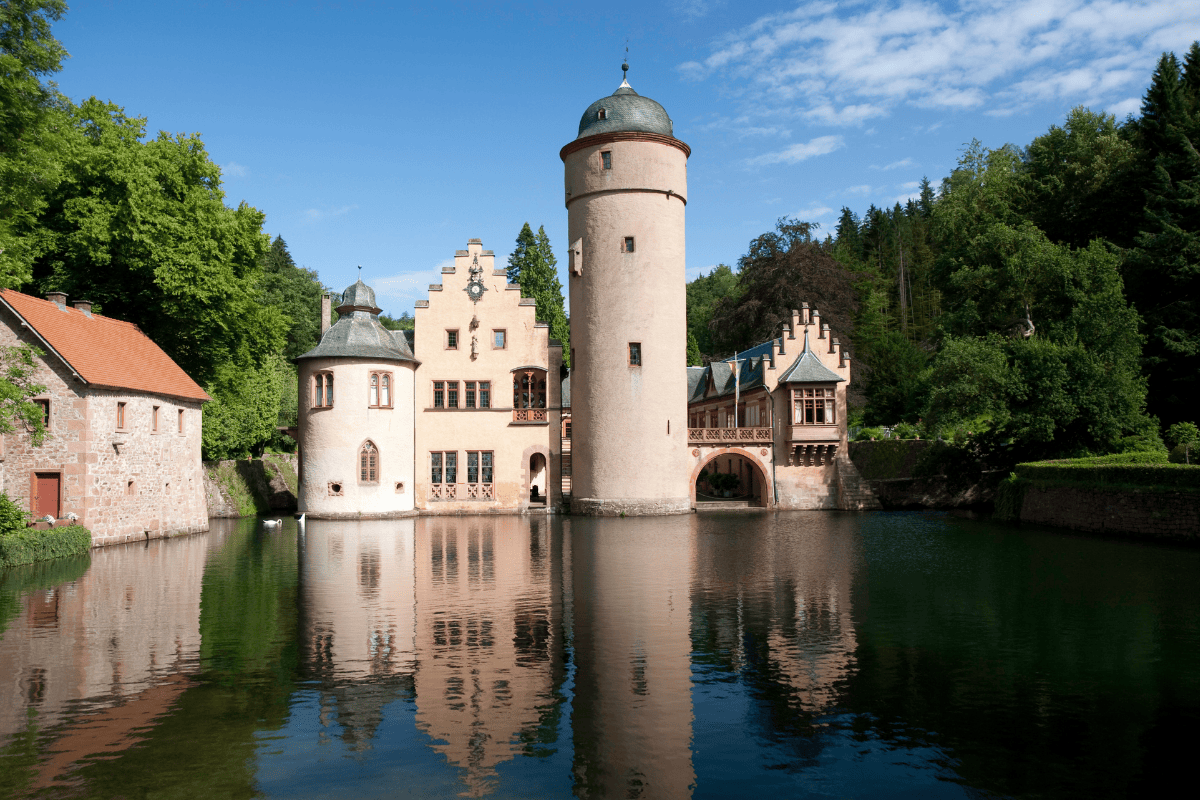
column 379, row 390
column 156, row 416
column 475, row 394
column 809, row 407
column 499, row 339
column 443, row 466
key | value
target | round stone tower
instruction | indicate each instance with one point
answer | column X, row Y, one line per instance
column 356, row 416
column 626, row 189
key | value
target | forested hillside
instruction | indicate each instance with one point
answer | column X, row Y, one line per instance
column 1043, row 298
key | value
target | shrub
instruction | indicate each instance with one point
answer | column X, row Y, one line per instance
column 1010, row 496
column 12, row 517
column 867, row 434
column 1078, row 472
column 906, row 430
column 31, row 545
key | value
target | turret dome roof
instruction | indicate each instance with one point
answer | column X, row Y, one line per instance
column 624, row 110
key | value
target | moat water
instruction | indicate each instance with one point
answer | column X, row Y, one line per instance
column 743, row 655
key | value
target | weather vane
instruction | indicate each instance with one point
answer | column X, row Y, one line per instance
column 625, row 63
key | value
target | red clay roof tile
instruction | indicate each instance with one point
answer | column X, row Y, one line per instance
column 105, row 351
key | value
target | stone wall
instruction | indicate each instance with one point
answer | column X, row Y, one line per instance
column 1157, row 515
column 243, row 488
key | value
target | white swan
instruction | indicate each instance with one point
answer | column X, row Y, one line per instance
column 271, row 523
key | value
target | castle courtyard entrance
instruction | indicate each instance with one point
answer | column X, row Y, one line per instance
column 729, row 477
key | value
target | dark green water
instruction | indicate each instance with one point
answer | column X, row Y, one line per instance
column 806, row 654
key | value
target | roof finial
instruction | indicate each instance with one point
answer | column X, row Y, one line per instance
column 360, row 272
column 625, row 63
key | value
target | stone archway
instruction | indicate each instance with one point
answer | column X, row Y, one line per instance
column 756, row 477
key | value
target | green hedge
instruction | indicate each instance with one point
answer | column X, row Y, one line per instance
column 1152, row 476
column 1138, row 457
column 31, row 545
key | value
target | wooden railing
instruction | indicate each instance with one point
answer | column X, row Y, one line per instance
column 529, row 415
column 723, row 436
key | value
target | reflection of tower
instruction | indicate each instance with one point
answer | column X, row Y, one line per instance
column 356, row 583
column 632, row 715
column 626, row 187
column 489, row 622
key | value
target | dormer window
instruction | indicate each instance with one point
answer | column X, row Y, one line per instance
column 602, row 114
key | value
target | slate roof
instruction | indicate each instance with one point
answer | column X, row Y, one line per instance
column 751, row 375
column 625, row 110
column 103, row 351
column 359, row 334
column 358, row 296
column 807, row 368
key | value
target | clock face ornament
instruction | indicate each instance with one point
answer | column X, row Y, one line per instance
column 475, row 287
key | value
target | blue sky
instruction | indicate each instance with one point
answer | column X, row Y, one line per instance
column 386, row 134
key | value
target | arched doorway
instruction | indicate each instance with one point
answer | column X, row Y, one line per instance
column 731, row 475
column 537, row 479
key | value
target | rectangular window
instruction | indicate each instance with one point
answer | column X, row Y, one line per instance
column 485, row 394
column 181, row 420
column 499, row 339
column 452, row 394
column 814, row 406
column 635, row 354
column 606, row 159
column 154, row 419
column 45, row 405
column 451, row 467
column 435, row 464
column 627, row 245
column 439, row 394
column 120, row 416
column 469, row 394
column 451, row 340
column 479, row 466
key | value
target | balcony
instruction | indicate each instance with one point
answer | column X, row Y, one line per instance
column 814, row 433
column 721, row 437
column 529, row 415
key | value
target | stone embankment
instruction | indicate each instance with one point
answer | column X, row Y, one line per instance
column 1145, row 514
column 888, row 467
column 245, row 488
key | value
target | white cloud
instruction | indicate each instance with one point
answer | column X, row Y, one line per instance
column 813, row 213
column 1130, row 105
column 904, row 162
column 909, row 185
column 233, row 170
column 794, row 154
column 863, row 189
column 841, row 64
column 318, row 214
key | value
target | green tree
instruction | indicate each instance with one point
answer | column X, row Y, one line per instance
column 18, row 369
column 33, row 130
column 244, row 412
column 703, row 294
column 896, row 387
column 693, row 351
column 296, row 293
column 1185, row 435
column 533, row 265
column 404, row 322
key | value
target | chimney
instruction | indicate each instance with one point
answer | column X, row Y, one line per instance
column 58, row 298
column 84, row 306
column 326, row 312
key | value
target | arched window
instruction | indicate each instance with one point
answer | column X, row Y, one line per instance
column 374, row 389
column 368, row 463
column 380, row 392
column 323, row 390
column 529, row 389
column 385, row 389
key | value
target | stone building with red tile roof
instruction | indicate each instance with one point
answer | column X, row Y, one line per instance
column 122, row 449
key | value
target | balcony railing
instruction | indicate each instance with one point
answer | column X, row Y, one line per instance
column 724, row 436
column 529, row 415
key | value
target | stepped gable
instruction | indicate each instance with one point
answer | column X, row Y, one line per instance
column 807, row 368
column 358, row 332
column 102, row 351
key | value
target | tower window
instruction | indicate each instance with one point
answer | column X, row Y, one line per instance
column 602, row 114
column 635, row 354
column 322, row 390
column 627, row 245
column 606, row 159
column 368, row 463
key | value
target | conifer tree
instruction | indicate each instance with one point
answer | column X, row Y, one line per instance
column 533, row 266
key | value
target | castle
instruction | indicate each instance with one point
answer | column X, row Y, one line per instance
column 394, row 423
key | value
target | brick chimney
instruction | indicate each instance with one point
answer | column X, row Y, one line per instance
column 326, row 312
column 58, row 298
column 84, row 306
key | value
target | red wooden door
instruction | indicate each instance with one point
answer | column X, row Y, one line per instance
column 46, row 499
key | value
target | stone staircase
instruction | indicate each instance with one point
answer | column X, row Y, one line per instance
column 854, row 493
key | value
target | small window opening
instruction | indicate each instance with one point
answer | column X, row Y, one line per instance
column 121, row 415
column 451, row 340
column 181, row 420
column 499, row 339
column 335, row 488
column 45, row 406
column 399, row 487
column 606, row 159
column 130, row 488
column 602, row 114
column 627, row 247
column 154, row 420
column 635, row 354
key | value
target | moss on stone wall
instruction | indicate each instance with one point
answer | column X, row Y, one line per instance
column 251, row 487
column 31, row 545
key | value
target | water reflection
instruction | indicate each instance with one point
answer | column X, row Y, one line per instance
column 808, row 653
